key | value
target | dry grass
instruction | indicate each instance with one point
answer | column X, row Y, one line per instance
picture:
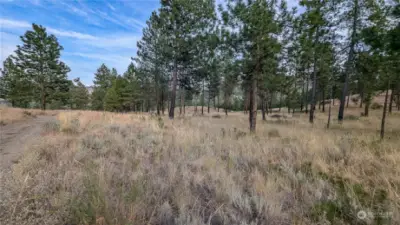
column 104, row 168
column 11, row 115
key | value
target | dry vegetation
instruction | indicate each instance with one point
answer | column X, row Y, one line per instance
column 11, row 115
column 105, row 168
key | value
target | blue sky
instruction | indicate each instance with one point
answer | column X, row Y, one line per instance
column 91, row 31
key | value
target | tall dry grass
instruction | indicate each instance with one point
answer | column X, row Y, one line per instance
column 10, row 115
column 105, row 168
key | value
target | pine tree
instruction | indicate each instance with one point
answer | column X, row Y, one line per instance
column 258, row 23
column 14, row 86
column 79, row 95
column 39, row 59
column 182, row 21
column 317, row 26
column 102, row 82
column 130, row 93
column 111, row 100
column 151, row 58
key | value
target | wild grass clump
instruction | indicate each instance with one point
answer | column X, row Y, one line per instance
column 216, row 116
column 351, row 117
column 126, row 169
column 69, row 122
column 376, row 105
column 52, row 126
column 10, row 115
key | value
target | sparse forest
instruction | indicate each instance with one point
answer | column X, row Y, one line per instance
column 241, row 55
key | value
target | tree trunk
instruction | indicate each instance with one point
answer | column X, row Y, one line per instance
column 398, row 102
column 226, row 103
column 253, row 105
column 263, row 103
column 218, row 103
column 307, row 94
column 163, row 102
column 318, row 101
column 202, row 101
column 173, row 93
column 323, row 100
column 348, row 99
column 391, row 101
column 348, row 66
column 302, row 98
column 246, row 102
column 384, row 111
column 270, row 103
column 157, row 102
column 195, row 107
column 314, row 85
column 208, row 104
column 182, row 104
column 366, row 109
column 43, row 100
column 329, row 110
column 361, row 99
column 215, row 108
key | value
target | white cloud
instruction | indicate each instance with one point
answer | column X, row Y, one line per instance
column 110, row 6
column 125, row 41
column 4, row 23
column 102, row 57
column 72, row 34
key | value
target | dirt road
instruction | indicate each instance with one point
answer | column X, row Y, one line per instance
column 14, row 137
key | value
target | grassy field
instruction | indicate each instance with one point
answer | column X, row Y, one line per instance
column 106, row 168
column 12, row 115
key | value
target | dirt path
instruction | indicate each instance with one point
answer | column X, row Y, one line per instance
column 13, row 138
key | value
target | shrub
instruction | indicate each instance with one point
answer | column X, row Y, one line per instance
column 217, row 116
column 160, row 122
column 351, row 117
column 69, row 123
column 52, row 126
column 376, row 105
column 27, row 113
column 355, row 100
column 273, row 133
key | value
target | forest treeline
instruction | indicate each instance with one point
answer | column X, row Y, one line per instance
column 242, row 55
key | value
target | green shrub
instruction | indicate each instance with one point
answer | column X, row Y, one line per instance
column 52, row 126
column 376, row 105
column 273, row 133
column 351, row 117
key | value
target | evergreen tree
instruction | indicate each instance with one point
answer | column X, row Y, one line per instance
column 111, row 100
column 14, row 86
column 79, row 96
column 183, row 21
column 39, row 60
column 258, row 23
column 102, row 82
